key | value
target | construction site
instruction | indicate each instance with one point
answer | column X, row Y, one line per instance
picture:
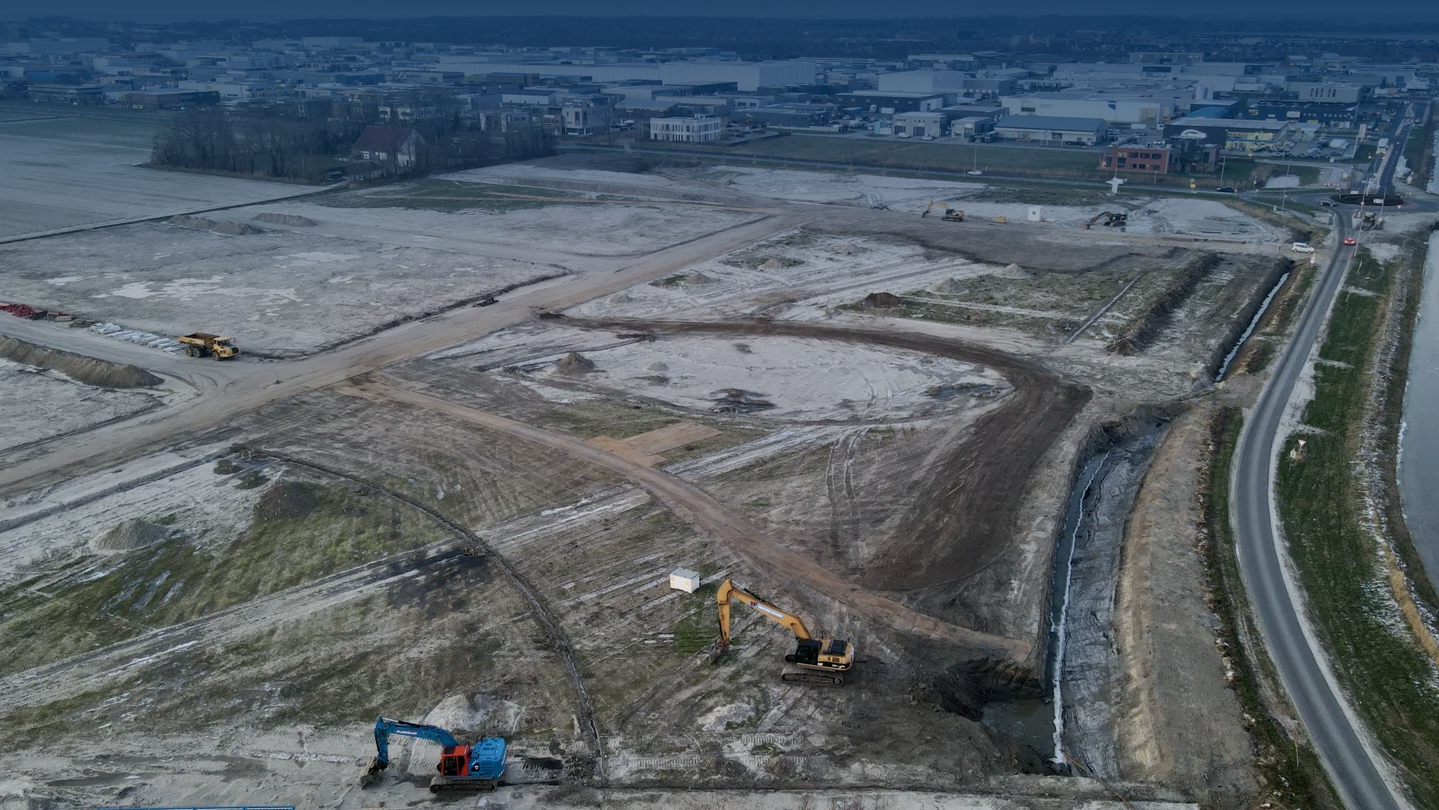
column 490, row 446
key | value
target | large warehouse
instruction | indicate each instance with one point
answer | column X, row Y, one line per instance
column 1050, row 129
column 1118, row 109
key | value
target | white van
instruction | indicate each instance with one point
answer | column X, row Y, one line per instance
column 1302, row 247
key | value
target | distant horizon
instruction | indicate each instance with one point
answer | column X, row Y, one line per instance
column 270, row 12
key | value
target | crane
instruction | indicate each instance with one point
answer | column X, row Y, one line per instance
column 829, row 657
column 950, row 214
column 461, row 767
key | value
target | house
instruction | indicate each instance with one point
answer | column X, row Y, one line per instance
column 699, row 129
column 387, row 144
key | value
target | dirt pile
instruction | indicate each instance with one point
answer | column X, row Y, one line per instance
column 950, row 286
column 290, row 499
column 1014, row 271
column 128, row 535
column 881, row 300
column 88, row 370
column 203, row 224
column 696, row 279
column 575, row 363
column 293, row 220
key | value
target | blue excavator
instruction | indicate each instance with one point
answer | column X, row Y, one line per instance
column 461, row 767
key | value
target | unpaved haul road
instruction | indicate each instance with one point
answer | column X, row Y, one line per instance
column 1357, row 771
column 973, row 502
column 710, row 516
column 232, row 388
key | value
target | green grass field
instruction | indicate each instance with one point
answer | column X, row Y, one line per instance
column 1324, row 519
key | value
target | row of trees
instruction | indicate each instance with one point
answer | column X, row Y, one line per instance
column 309, row 147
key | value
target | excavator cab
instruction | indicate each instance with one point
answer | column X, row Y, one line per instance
column 454, row 761
column 829, row 653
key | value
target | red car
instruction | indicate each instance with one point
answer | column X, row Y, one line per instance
column 1350, row 241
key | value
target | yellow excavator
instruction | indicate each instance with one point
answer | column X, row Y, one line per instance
column 950, row 214
column 824, row 660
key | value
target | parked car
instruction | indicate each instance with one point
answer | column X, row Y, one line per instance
column 1227, row 189
column 1328, row 203
column 1350, row 241
column 1301, row 247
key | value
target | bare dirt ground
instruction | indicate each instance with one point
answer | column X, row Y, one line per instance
column 66, row 172
column 470, row 518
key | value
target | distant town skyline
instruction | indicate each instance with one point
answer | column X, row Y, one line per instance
column 159, row 11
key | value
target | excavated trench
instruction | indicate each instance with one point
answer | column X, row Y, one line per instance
column 1073, row 721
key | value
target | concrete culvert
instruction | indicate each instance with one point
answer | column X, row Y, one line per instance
column 128, row 535
column 575, row 363
column 289, row 499
column 293, row 220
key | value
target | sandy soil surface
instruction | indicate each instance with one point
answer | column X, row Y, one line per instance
column 577, row 230
column 783, row 379
column 281, row 293
column 64, row 172
column 1178, row 720
column 439, row 522
column 36, row 404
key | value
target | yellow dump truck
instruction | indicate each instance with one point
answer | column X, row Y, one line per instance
column 201, row 344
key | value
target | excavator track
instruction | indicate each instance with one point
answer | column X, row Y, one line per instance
column 813, row 678
column 442, row 784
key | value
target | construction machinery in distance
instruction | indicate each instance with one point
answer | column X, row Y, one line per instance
column 950, row 214
column 1112, row 219
column 461, row 767
column 824, row 660
column 203, row 343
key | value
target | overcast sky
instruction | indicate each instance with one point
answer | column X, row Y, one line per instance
column 270, row 10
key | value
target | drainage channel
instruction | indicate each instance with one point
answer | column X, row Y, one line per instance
column 1075, row 721
column 1249, row 330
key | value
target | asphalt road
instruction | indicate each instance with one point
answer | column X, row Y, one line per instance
column 1354, row 772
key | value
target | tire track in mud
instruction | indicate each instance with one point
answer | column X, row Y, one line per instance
column 963, row 517
column 556, row 635
column 701, row 510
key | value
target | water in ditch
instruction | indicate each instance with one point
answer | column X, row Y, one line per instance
column 1075, row 720
column 1419, row 438
column 1249, row 330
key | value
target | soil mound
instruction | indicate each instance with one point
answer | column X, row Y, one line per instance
column 881, row 300
column 290, row 499
column 771, row 264
column 293, row 220
column 236, row 228
column 1014, row 271
column 950, row 286
column 88, row 370
column 576, row 363
column 657, row 367
column 129, row 534
column 697, row 278
column 620, row 298
column 203, row 224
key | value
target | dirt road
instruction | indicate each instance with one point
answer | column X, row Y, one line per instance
column 967, row 510
column 709, row 516
column 231, row 388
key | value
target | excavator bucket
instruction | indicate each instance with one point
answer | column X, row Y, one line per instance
column 372, row 774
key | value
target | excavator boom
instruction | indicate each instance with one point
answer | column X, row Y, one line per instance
column 829, row 655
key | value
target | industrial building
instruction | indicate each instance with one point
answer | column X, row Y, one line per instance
column 921, row 81
column 1074, row 104
column 699, row 129
column 1137, row 159
column 1327, row 93
column 1334, row 115
column 920, row 124
column 1052, row 130
column 1232, row 136
column 794, row 116
column 890, row 103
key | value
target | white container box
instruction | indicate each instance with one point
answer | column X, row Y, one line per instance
column 683, row 579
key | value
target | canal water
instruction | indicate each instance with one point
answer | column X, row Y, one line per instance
column 1419, row 440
